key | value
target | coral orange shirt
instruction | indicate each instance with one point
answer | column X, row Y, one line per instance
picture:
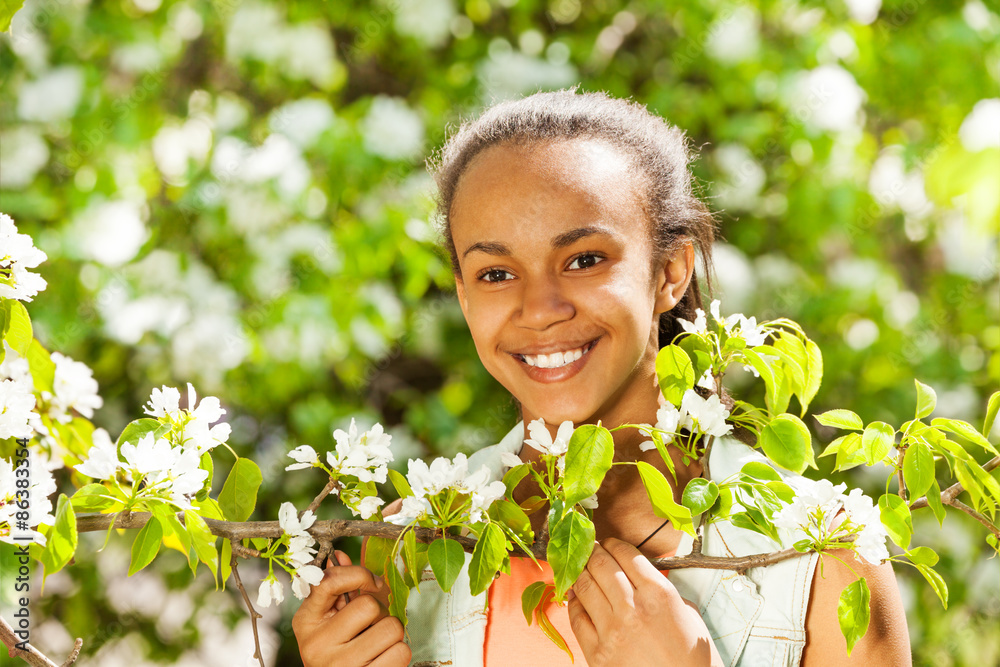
column 510, row 641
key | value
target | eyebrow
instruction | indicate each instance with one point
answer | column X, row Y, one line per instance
column 563, row 240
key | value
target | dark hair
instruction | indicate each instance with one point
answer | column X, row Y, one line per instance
column 658, row 152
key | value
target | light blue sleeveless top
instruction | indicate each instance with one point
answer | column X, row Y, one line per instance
column 755, row 619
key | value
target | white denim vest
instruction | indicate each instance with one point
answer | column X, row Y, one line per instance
column 755, row 619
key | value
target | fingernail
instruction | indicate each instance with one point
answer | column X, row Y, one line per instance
column 570, row 595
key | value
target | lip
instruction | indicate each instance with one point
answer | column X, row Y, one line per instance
column 547, row 375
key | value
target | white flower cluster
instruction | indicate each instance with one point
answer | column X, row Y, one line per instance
column 17, row 255
column 696, row 414
column 364, row 456
column 299, row 556
column 191, row 427
column 542, row 441
column 42, row 486
column 17, row 409
column 735, row 325
column 169, row 472
column 443, row 475
column 809, row 517
column 75, row 389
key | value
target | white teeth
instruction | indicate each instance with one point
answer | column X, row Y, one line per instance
column 554, row 360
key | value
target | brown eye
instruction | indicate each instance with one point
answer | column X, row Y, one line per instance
column 495, row 276
column 585, row 261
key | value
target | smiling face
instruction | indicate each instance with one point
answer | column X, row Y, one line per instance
column 558, row 282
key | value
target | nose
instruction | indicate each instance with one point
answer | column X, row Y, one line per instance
column 543, row 304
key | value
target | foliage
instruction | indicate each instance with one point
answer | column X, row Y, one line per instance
column 320, row 283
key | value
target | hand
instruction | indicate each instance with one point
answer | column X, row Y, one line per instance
column 623, row 611
column 332, row 631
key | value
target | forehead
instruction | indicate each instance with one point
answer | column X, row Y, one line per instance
column 543, row 188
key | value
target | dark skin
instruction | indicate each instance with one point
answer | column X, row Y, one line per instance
column 555, row 256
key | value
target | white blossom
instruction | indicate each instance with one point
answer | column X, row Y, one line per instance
column 700, row 324
column 300, row 549
column 413, row 508
column 668, row 419
column 303, row 577
column 589, row 503
column 442, row 474
column 369, row 506
column 270, row 591
column 707, row 381
column 43, row 486
column 870, row 542
column 17, row 407
column 291, row 523
column 820, row 498
column 542, row 440
column 17, row 255
column 483, row 496
column 707, row 415
column 192, row 427
column 305, row 457
column 102, row 459
column 149, row 455
column 365, row 456
column 510, row 459
column 75, row 389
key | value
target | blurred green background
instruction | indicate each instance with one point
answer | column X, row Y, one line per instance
column 233, row 194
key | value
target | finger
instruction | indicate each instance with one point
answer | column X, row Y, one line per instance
column 377, row 639
column 337, row 581
column 611, row 578
column 588, row 592
column 397, row 655
column 352, row 620
column 636, row 567
column 582, row 626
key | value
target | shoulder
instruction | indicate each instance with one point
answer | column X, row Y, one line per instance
column 887, row 641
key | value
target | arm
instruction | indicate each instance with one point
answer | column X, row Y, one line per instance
column 886, row 642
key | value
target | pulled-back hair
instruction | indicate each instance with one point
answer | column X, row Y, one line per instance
column 657, row 151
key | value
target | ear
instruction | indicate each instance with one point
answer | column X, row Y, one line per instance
column 673, row 276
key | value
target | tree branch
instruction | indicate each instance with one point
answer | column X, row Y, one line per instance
column 959, row 505
column 953, row 491
column 328, row 531
column 31, row 655
column 254, row 614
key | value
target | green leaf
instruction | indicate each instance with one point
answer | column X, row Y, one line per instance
column 853, row 612
column 787, row 442
column 754, row 520
column 926, row 399
column 146, row 545
column 410, row 558
column 513, row 517
column 922, row 556
column 936, row 582
column 136, row 430
column 208, row 464
column 842, row 419
column 172, row 528
column 588, row 459
column 226, row 561
column 93, row 498
column 661, row 495
column 514, row 476
column 674, row 372
column 918, row 469
column 486, row 558
column 203, row 541
column 849, row 455
column 895, row 514
column 965, row 430
column 399, row 592
column 571, row 541
column 530, row 599
column 699, row 495
column 62, row 539
column 447, row 558
column 760, row 470
column 992, row 407
column 934, row 502
column 239, row 494
column 784, row 492
column 7, row 10
column 545, row 624
column 400, row 484
column 43, row 369
column 876, row 442
column 814, row 375
column 377, row 550
column 19, row 333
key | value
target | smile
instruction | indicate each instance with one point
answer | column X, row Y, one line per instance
column 556, row 359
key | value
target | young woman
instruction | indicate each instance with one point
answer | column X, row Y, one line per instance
column 573, row 230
